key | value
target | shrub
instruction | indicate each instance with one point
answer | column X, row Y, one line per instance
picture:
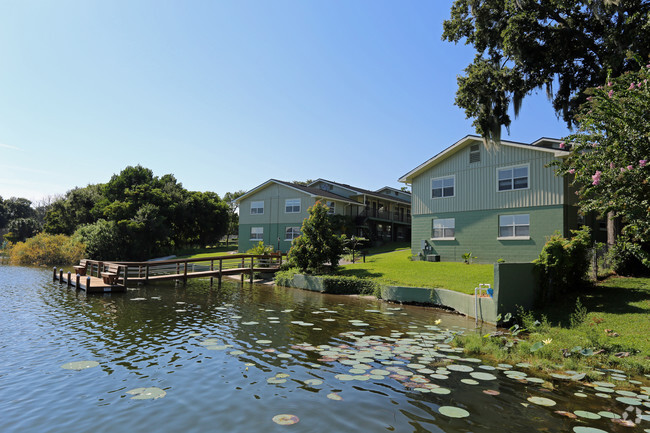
column 46, row 249
column 350, row 285
column 563, row 263
column 104, row 240
column 260, row 249
column 627, row 258
column 284, row 277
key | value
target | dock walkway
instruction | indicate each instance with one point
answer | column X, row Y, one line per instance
column 96, row 276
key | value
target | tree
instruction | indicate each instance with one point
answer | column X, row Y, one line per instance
column 610, row 156
column 317, row 243
column 20, row 229
column 233, row 214
column 525, row 45
column 3, row 214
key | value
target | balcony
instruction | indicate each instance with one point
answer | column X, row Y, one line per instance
column 387, row 216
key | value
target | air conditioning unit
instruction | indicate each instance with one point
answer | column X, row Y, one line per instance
column 433, row 257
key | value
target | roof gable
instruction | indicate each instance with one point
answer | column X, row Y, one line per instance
column 539, row 145
column 313, row 192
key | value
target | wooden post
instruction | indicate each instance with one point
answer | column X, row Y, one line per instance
column 211, row 270
column 54, row 274
column 146, row 273
column 87, row 284
column 100, row 269
column 185, row 271
column 140, row 271
column 69, row 278
column 252, row 273
column 61, row 276
column 220, row 269
column 178, row 264
column 126, row 274
column 77, row 281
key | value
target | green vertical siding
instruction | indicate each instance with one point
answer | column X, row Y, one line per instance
column 476, row 183
column 477, row 231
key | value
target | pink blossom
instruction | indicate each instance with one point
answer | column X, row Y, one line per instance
column 610, row 93
column 588, row 98
column 596, row 177
column 609, row 83
column 611, row 165
column 643, row 162
column 562, row 146
column 622, row 169
column 594, row 144
column 631, row 86
column 572, row 171
column 629, row 167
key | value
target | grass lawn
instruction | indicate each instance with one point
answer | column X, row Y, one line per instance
column 615, row 321
column 395, row 268
column 206, row 252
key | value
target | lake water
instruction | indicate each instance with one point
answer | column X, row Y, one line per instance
column 231, row 358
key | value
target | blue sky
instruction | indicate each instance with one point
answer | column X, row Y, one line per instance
column 227, row 94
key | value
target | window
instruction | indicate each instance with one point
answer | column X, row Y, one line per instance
column 442, row 187
column 257, row 233
column 290, row 233
column 292, row 205
column 332, row 206
column 444, row 228
column 514, row 226
column 257, row 207
column 513, row 178
column 474, row 153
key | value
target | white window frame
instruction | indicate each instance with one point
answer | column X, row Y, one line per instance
column 445, row 225
column 512, row 178
column 291, row 208
column 291, row 233
column 332, row 207
column 257, row 234
column 514, row 225
column 256, row 205
column 443, row 178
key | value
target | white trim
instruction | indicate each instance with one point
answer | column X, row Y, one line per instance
column 526, row 164
column 257, row 207
column 293, row 205
column 453, row 176
column 444, row 238
column 291, row 227
column 256, row 239
column 515, row 238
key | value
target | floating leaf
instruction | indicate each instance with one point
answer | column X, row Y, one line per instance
column 79, row 365
column 586, row 414
column 507, row 317
column 491, row 392
column 151, row 393
column 535, row 347
column 334, row 396
column 566, row 414
column 453, row 412
column 542, row 401
column 581, row 429
column 586, row 352
column 285, row 419
column 482, row 376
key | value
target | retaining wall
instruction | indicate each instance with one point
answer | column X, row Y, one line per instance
column 515, row 284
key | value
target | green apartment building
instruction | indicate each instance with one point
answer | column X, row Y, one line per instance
column 497, row 203
column 273, row 212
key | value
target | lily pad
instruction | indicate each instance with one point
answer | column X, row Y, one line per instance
column 586, row 414
column 285, row 419
column 453, row 412
column 482, row 376
column 151, row 393
column 582, row 429
column 79, row 365
column 334, row 396
column 542, row 401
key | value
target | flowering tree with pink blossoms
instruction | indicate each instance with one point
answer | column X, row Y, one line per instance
column 610, row 156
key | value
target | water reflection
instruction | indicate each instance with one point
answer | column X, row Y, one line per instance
column 201, row 345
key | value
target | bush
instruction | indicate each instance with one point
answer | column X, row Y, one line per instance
column 103, row 240
column 563, row 263
column 46, row 249
column 626, row 259
column 350, row 285
column 284, row 277
column 260, row 249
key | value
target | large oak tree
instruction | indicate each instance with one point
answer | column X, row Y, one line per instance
column 562, row 46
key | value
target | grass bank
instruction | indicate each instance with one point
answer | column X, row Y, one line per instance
column 395, row 268
column 606, row 326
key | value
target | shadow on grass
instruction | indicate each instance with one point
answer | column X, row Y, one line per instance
column 360, row 273
column 615, row 296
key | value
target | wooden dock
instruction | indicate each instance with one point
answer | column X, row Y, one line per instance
column 103, row 277
column 87, row 282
